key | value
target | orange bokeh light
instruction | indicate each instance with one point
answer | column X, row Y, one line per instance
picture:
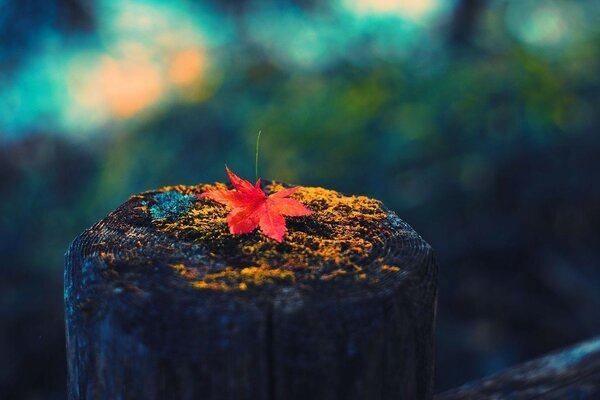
column 121, row 87
column 130, row 87
column 187, row 67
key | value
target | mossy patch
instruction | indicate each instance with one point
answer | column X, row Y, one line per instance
column 342, row 240
column 170, row 204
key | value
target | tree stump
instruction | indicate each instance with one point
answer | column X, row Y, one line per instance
column 162, row 302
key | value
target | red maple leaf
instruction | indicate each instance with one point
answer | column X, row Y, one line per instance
column 252, row 208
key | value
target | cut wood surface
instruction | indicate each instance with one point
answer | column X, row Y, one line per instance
column 569, row 374
column 162, row 302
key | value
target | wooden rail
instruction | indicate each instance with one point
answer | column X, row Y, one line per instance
column 572, row 373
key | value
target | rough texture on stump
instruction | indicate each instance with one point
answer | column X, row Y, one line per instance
column 162, row 302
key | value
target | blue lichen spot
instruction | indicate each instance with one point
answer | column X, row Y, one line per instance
column 170, row 204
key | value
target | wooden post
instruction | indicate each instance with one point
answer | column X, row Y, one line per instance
column 161, row 302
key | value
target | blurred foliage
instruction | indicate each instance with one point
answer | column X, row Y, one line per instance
column 475, row 120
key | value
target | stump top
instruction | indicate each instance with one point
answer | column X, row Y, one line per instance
column 168, row 239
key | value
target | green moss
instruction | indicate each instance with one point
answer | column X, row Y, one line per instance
column 170, row 204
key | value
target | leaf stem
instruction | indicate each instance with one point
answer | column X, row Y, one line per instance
column 256, row 155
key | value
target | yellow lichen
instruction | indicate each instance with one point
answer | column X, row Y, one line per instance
column 262, row 274
column 334, row 274
column 182, row 270
column 390, row 268
column 142, row 208
column 333, row 243
column 210, row 285
column 234, row 278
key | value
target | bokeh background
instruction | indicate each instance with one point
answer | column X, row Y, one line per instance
column 475, row 120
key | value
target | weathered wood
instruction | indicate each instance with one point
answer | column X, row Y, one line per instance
column 572, row 373
column 161, row 302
